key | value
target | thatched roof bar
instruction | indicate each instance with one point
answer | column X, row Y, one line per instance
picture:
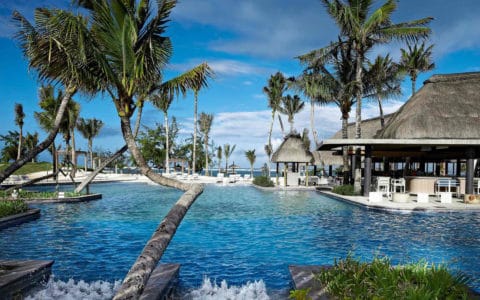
column 335, row 143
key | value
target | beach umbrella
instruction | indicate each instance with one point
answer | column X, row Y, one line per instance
column 233, row 167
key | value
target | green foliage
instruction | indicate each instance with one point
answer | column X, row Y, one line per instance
column 12, row 207
column 346, row 190
column 351, row 279
column 263, row 181
column 301, row 294
column 152, row 142
column 10, row 148
column 28, row 195
column 30, row 168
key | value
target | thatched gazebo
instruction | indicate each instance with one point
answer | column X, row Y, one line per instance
column 439, row 124
column 292, row 151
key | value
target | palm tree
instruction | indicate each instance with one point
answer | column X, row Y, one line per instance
column 227, row 151
column 277, row 85
column 47, row 117
column 219, row 156
column 365, row 31
column 89, row 129
column 19, row 116
column 68, row 131
column 383, row 80
column 205, row 124
column 291, row 106
column 163, row 102
column 416, row 60
column 250, row 154
column 31, row 141
column 118, row 47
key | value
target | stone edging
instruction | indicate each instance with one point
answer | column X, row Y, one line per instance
column 82, row 198
column 13, row 220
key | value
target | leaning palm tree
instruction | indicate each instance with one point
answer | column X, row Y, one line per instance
column 227, row 151
column 19, row 116
column 291, row 106
column 366, row 30
column 119, row 47
column 415, row 60
column 251, row 157
column 68, row 130
column 89, row 129
column 277, row 85
column 205, row 124
column 382, row 80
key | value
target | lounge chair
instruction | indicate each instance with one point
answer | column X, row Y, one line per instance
column 195, row 176
column 383, row 185
column 246, row 177
column 220, row 177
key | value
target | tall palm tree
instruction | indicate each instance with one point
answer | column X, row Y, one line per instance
column 366, row 30
column 19, row 116
column 277, row 85
column 50, row 104
column 415, row 60
column 227, row 151
column 291, row 106
column 219, row 156
column 31, row 141
column 205, row 124
column 163, row 102
column 118, row 47
column 68, row 131
column 89, row 129
column 382, row 80
column 251, row 157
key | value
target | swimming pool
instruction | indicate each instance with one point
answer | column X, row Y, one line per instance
column 237, row 234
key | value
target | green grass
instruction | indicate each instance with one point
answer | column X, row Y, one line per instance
column 263, row 181
column 28, row 195
column 12, row 207
column 30, row 168
column 351, row 279
column 346, row 190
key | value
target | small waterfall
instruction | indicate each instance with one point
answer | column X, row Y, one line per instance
column 211, row 291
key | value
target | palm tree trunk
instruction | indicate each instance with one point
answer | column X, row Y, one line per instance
column 90, row 150
column 346, row 167
column 20, row 139
column 206, row 155
column 69, row 92
column 270, row 142
column 380, row 107
column 111, row 158
column 291, row 126
column 357, row 187
column 312, row 122
column 251, row 170
column 195, row 103
column 137, row 277
column 167, row 144
column 414, row 80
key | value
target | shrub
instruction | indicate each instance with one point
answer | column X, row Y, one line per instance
column 352, row 279
column 346, row 190
column 12, row 207
column 263, row 181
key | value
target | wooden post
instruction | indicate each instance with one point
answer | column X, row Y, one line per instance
column 306, row 174
column 470, row 170
column 277, row 174
column 368, row 170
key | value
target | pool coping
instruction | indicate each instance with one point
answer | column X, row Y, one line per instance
column 74, row 199
column 410, row 207
column 22, row 276
column 29, row 215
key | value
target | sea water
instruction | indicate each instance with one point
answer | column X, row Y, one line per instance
column 235, row 242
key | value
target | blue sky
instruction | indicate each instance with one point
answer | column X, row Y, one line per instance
column 244, row 42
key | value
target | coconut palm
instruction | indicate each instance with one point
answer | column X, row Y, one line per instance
column 89, row 129
column 382, row 80
column 415, row 60
column 205, row 124
column 31, row 141
column 227, row 151
column 291, row 106
column 118, row 47
column 68, row 131
column 163, row 102
column 251, row 157
column 366, row 30
column 19, row 116
column 277, row 85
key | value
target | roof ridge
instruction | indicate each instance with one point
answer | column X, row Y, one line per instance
column 452, row 77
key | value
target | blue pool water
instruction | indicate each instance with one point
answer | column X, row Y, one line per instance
column 238, row 234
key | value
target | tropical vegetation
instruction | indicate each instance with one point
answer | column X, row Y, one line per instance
column 263, row 181
column 416, row 59
column 251, row 157
column 12, row 207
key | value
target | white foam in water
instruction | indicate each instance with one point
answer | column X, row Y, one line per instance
column 71, row 290
column 211, row 291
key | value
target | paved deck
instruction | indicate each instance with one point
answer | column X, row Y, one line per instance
column 433, row 205
column 303, row 278
column 17, row 277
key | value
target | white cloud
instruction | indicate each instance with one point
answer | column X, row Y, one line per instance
column 225, row 67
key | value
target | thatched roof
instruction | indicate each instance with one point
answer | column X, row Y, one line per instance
column 447, row 107
column 370, row 128
column 327, row 158
column 292, row 149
